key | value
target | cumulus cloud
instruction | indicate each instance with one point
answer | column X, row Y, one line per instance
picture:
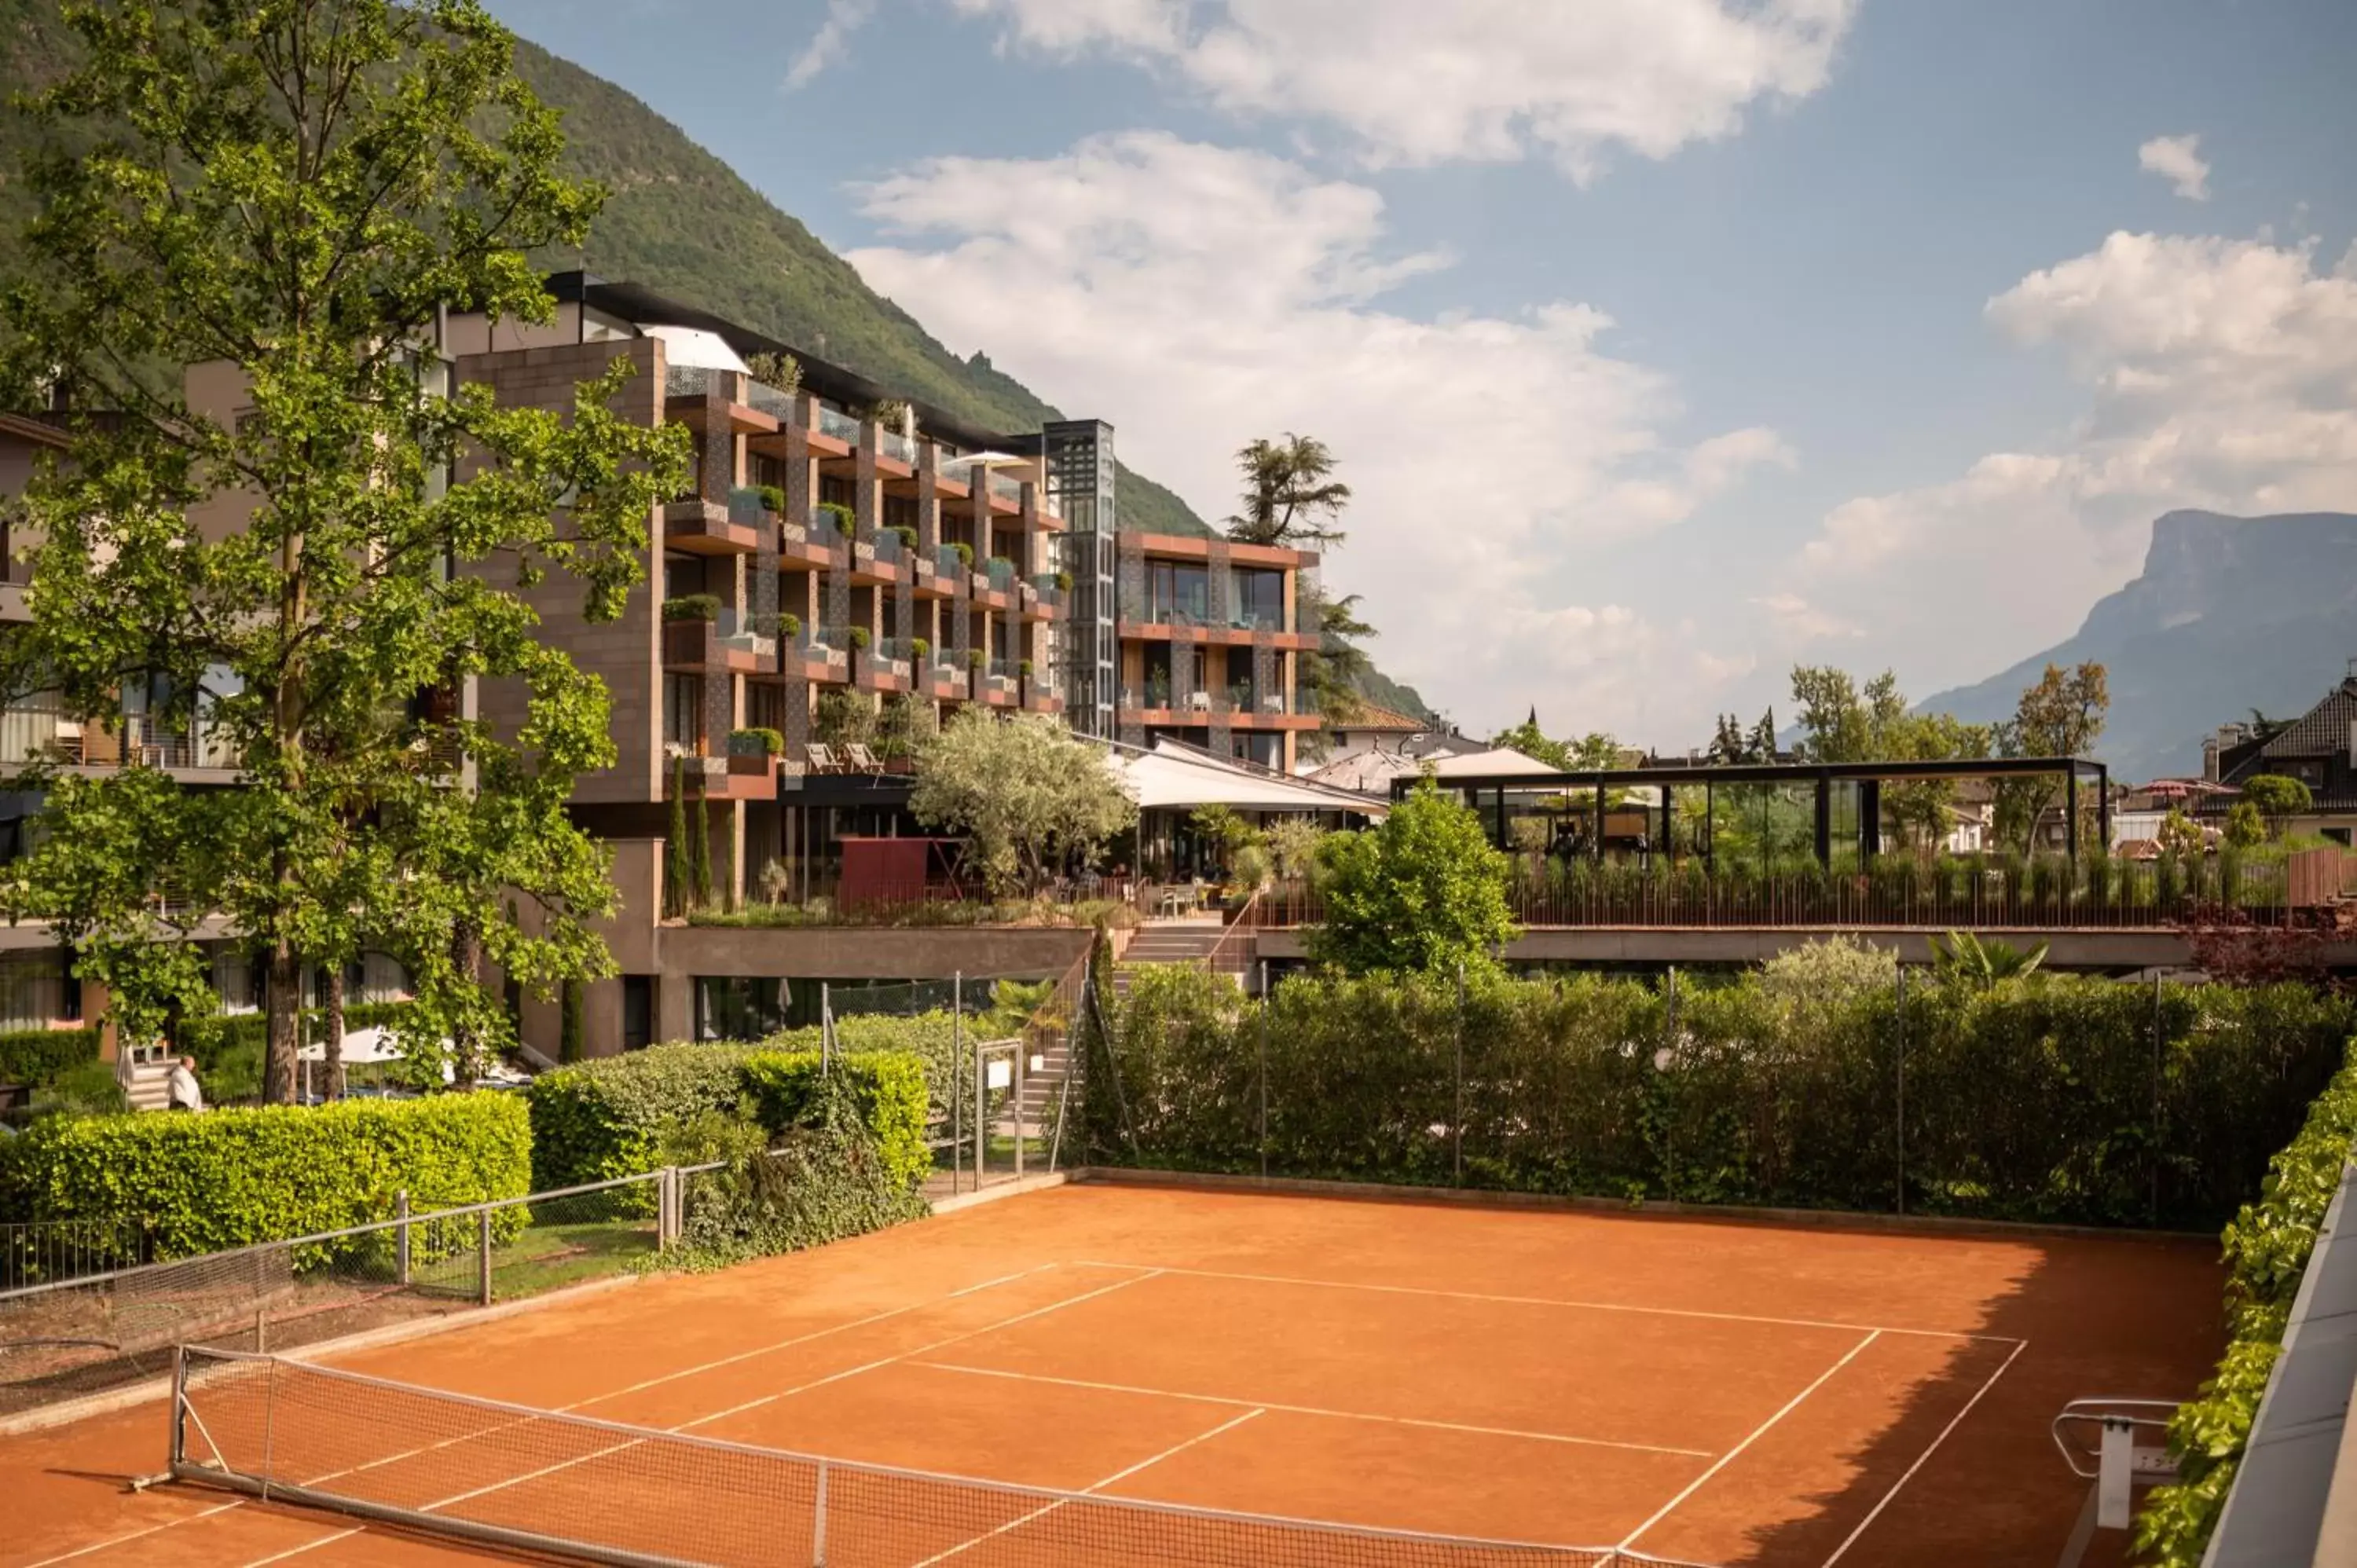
column 831, row 42
column 2220, row 373
column 1415, row 82
column 1200, row 297
column 2177, row 159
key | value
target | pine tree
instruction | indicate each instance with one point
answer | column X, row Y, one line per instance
column 1762, row 744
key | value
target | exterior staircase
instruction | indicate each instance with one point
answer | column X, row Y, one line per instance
column 1187, row 939
column 150, row 1086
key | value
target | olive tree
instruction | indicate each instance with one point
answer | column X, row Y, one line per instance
column 1028, row 796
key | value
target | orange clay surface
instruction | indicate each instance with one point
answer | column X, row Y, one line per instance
column 1716, row 1392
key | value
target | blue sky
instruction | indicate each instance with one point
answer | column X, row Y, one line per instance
column 1668, row 342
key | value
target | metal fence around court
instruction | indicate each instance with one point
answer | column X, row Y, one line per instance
column 68, row 1336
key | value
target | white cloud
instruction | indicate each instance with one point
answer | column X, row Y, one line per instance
column 831, row 42
column 1198, row 297
column 1418, row 82
column 2177, row 159
column 2221, row 374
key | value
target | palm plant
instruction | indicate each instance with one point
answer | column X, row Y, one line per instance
column 1965, row 961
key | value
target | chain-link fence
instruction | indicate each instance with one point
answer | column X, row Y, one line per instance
column 70, row 1336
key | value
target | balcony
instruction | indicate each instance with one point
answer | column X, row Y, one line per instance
column 747, row 776
column 807, row 655
column 812, row 546
column 952, row 570
column 886, row 664
column 939, row 678
column 701, row 637
column 955, row 478
column 766, row 398
column 702, row 527
column 37, row 731
column 899, row 449
column 1044, row 597
column 882, row 558
column 841, row 426
column 1006, row 493
column 998, row 683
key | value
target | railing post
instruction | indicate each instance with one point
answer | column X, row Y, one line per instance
column 957, row 1090
column 1264, row 1005
column 400, row 1237
column 1457, row 1116
column 483, row 1256
column 818, row 1521
column 1900, row 1119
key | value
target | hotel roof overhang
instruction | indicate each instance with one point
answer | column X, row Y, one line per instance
column 1798, row 773
column 636, row 303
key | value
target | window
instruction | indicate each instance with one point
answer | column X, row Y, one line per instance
column 736, row 1008
column 684, row 712
column 638, row 1012
column 1175, row 591
column 682, row 574
column 1259, row 599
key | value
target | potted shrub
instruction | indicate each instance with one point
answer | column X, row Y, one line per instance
column 1063, row 582
column 920, row 649
column 691, row 607
column 773, row 499
column 753, row 750
column 965, row 553
column 846, row 521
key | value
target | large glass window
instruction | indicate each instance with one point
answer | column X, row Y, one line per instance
column 1259, row 598
column 736, row 1008
column 1177, row 592
column 684, row 712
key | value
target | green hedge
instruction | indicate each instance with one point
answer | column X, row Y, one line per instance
column 230, row 1178
column 2267, row 1249
column 37, row 1057
column 623, row 1115
column 2031, row 1101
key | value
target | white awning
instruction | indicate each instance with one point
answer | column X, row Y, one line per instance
column 694, row 349
column 1493, row 763
column 1179, row 780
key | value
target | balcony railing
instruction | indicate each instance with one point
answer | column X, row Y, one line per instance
column 1000, row 572
column 38, row 731
column 1006, row 488
column 687, row 380
column 777, row 404
column 894, row 651
column 891, row 550
column 746, row 506
column 826, row 526
column 741, row 633
column 835, row 423
column 899, row 447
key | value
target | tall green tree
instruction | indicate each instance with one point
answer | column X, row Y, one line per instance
column 1842, row 720
column 2059, row 715
column 2277, row 798
column 302, row 559
column 1291, row 497
column 1425, row 891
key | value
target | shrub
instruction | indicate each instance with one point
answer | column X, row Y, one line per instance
column 620, row 1116
column 691, row 607
column 921, row 648
column 965, row 553
column 790, row 626
column 826, row 1179
column 2267, row 1248
column 36, row 1056
column 1064, row 582
column 231, row 1178
column 908, row 535
column 773, row 499
column 861, row 636
column 846, row 521
column 756, row 741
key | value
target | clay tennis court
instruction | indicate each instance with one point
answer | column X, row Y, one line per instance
column 1709, row 1391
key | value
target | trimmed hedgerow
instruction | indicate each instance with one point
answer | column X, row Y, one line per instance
column 2267, row 1249
column 38, row 1056
column 2024, row 1101
column 231, row 1178
column 624, row 1115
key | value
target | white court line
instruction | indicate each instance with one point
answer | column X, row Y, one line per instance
column 716, row 1415
column 594, row 1399
column 1629, row 1541
column 1314, row 1410
column 1229, row 1425
column 1549, row 1301
column 1955, row 1422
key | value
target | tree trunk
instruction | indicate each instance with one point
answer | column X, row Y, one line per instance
column 284, row 999
column 466, row 1040
column 334, row 1048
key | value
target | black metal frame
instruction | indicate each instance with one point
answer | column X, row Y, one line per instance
column 1821, row 776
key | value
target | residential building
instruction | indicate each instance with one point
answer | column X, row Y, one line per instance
column 1212, row 633
column 2318, row 748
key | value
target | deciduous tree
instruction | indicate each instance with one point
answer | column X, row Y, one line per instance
column 295, row 190
column 1026, row 795
column 2061, row 716
column 1423, row 892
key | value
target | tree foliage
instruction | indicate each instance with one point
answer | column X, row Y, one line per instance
column 293, row 190
column 1421, row 893
column 2277, row 796
column 1587, row 753
column 1842, row 722
column 1028, row 796
column 1291, row 497
column 2061, row 715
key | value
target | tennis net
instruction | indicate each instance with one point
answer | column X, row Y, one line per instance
column 511, row 1476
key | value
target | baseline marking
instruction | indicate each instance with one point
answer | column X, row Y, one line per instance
column 1548, row 1301
column 1314, row 1410
column 1017, row 1522
column 1629, row 1541
column 1954, row 1421
column 593, row 1399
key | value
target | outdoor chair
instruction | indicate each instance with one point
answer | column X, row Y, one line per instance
column 858, row 758
column 822, row 758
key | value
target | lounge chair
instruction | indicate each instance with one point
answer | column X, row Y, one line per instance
column 858, row 758
column 822, row 758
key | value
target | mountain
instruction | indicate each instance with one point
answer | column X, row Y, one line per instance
column 2229, row 614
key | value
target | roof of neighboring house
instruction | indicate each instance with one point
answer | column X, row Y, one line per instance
column 1388, row 720
column 2323, row 729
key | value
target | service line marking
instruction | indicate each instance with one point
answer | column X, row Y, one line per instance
column 1551, row 1300
column 1629, row 1541
column 1955, row 1421
column 1315, row 1410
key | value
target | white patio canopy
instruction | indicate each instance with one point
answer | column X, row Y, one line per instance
column 1182, row 781
column 694, row 349
column 1491, row 764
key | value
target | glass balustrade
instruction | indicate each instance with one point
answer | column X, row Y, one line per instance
column 839, row 425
